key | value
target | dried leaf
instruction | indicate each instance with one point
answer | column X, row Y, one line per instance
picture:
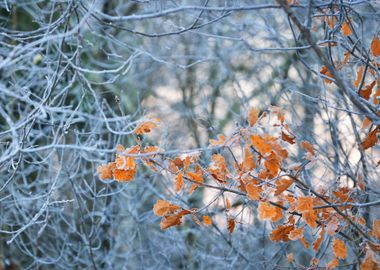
column 273, row 164
column 339, row 249
column 231, row 225
column 260, row 144
column 333, row 264
column 308, row 147
column 281, row 233
column 283, row 184
column 253, row 191
column 178, row 182
column 287, row 138
column 123, row 175
column 305, row 204
column 325, row 71
column 207, row 220
column 317, row 243
column 253, row 116
column 163, row 207
column 228, row 204
column 346, row 30
column 268, row 211
column 310, row 218
column 371, row 139
column 248, row 163
column 220, row 141
column 359, row 76
column 105, row 171
column 147, row 126
column 296, row 234
column 366, row 91
column 375, row 46
column 376, row 229
column 370, row 262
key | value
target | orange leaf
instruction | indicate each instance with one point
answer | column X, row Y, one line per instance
column 253, row 116
column 333, row 264
column 260, row 144
column 346, row 30
column 376, row 229
column 220, row 141
column 317, row 243
column 366, row 91
column 366, row 123
column 287, row 138
column 253, row 191
column 371, row 139
column 359, row 76
column 273, row 164
column 296, row 234
column 248, row 163
column 346, row 57
column 308, row 147
column 310, row 218
column 375, row 46
column 324, row 70
column 178, row 182
column 231, row 225
column 195, row 176
column 305, row 204
column 281, row 233
column 123, row 175
column 339, row 249
column 266, row 211
column 207, row 220
column 228, row 204
column 163, row 207
column 173, row 220
column 147, row 126
column 282, row 185
column 105, row 171
column 370, row 262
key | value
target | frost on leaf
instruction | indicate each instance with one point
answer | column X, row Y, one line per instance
column 339, row 249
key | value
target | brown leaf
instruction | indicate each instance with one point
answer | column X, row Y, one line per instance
column 317, row 243
column 207, row 220
column 339, row 249
column 281, row 233
column 296, row 234
column 366, row 92
column 333, row 264
column 346, row 30
column 105, row 171
column 359, row 76
column 283, row 184
column 231, row 225
column 287, row 138
column 371, row 139
column 308, row 147
column 253, row 116
column 260, row 144
column 178, row 182
column 253, row 191
column 324, row 70
column 163, row 207
column 370, row 262
column 375, row 46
